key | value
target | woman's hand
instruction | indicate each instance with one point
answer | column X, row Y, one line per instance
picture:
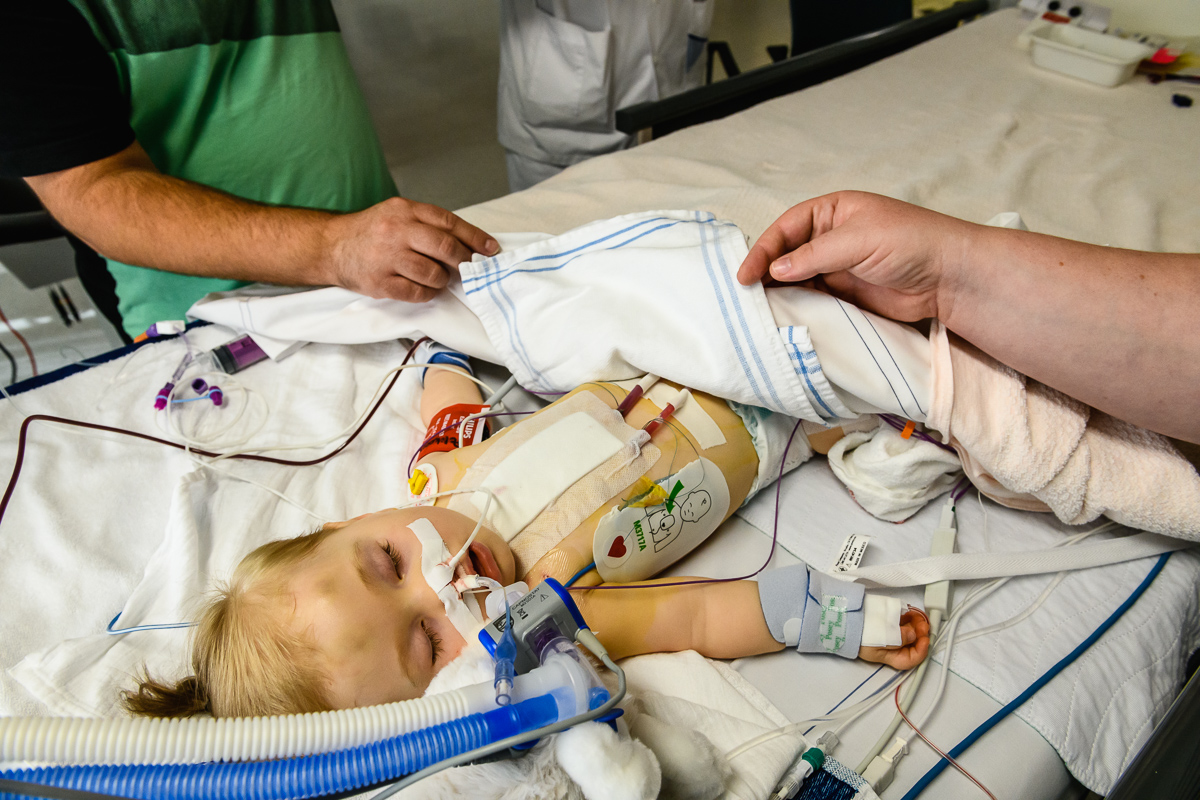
column 914, row 633
column 894, row 258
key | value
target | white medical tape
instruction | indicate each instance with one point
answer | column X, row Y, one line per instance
column 881, row 621
column 970, row 566
column 434, row 553
column 577, row 503
column 690, row 415
column 541, row 469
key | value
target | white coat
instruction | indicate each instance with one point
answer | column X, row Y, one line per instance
column 566, row 66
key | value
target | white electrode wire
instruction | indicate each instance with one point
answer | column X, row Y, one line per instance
column 1024, row 615
column 974, row 598
column 202, row 464
column 843, row 716
column 174, row 427
column 945, row 640
column 910, row 692
column 349, row 429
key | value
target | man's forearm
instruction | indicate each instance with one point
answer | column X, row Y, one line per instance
column 1110, row 327
column 128, row 211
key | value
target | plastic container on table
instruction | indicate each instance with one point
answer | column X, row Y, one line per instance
column 1096, row 57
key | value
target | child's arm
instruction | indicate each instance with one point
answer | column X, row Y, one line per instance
column 445, row 385
column 445, row 388
column 718, row 620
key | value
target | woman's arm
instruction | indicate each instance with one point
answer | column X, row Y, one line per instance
column 1114, row 328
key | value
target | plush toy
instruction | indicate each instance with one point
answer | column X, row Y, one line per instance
column 643, row 758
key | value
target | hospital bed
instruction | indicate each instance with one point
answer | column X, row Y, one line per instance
column 963, row 124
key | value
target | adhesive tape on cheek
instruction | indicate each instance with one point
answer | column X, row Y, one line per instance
column 433, row 554
column 466, row 617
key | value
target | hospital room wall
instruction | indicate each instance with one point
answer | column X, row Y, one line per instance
column 1168, row 17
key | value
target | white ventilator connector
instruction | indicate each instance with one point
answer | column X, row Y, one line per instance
column 879, row 766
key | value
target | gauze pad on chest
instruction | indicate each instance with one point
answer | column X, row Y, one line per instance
column 544, row 467
column 561, row 510
column 464, row 614
column 634, row 543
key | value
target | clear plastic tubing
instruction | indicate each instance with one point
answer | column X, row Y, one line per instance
column 142, row 740
column 308, row 776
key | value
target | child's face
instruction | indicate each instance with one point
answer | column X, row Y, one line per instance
column 381, row 632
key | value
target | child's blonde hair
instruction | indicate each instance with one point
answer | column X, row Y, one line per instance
column 246, row 660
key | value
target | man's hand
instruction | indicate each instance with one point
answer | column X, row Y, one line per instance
column 401, row 249
column 882, row 254
column 127, row 210
column 914, row 633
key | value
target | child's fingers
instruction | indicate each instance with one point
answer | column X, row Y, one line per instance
column 912, row 653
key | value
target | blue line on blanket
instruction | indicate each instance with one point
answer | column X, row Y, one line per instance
column 902, row 376
column 802, row 369
column 723, row 272
column 505, row 305
column 489, row 279
column 721, row 303
column 508, row 308
column 495, row 260
column 878, row 366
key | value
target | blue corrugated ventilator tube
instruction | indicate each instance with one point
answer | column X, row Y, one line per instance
column 308, row 776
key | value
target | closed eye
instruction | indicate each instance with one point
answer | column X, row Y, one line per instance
column 435, row 643
column 394, row 555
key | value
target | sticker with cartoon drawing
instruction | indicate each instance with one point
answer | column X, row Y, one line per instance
column 633, row 543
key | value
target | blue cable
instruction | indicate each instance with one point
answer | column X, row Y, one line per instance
column 579, row 575
column 958, row 749
column 162, row 626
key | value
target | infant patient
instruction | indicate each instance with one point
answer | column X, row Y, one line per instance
column 344, row 616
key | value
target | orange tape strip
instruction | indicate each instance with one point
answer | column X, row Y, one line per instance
column 908, row 429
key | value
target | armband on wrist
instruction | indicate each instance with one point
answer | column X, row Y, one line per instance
column 811, row 611
column 444, row 430
column 433, row 353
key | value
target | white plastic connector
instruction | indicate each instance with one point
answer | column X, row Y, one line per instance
column 883, row 767
column 937, row 595
column 588, row 639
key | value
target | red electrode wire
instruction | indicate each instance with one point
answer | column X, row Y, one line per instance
column 21, row 339
column 937, row 749
column 16, row 473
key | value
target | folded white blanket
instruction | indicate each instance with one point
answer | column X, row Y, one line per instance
column 653, row 292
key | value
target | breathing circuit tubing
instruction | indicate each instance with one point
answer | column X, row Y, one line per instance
column 420, row 753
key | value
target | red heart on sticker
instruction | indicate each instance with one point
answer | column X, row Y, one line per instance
column 617, row 548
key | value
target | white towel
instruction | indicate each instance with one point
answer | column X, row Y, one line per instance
column 1032, row 447
column 891, row 476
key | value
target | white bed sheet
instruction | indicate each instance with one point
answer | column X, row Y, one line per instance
column 963, row 124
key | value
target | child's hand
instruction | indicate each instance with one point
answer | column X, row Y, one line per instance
column 914, row 632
